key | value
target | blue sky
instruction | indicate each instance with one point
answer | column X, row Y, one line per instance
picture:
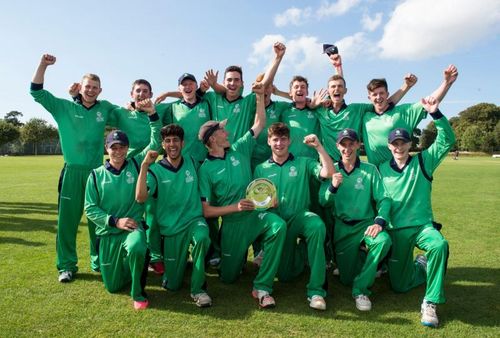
column 159, row 40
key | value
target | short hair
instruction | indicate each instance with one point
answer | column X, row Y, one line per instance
column 337, row 77
column 142, row 82
column 172, row 130
column 234, row 69
column 92, row 77
column 299, row 78
column 278, row 129
column 376, row 83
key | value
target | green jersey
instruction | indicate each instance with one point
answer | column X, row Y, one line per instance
column 110, row 192
column 331, row 123
column 136, row 125
column 81, row 129
column 239, row 113
column 165, row 181
column 410, row 187
column 361, row 196
column 262, row 151
column 301, row 122
column 223, row 181
column 291, row 180
column 191, row 117
column 376, row 128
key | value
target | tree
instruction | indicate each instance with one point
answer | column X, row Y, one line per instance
column 8, row 132
column 37, row 130
column 415, row 139
column 428, row 135
column 472, row 138
column 12, row 117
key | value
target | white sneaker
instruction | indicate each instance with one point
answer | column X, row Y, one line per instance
column 363, row 303
column 214, row 261
column 429, row 314
column 202, row 299
column 317, row 302
column 65, row 276
column 422, row 261
column 336, row 272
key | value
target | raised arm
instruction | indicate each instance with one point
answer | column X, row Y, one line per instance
column 175, row 94
column 211, row 78
column 279, row 51
column 280, row 93
column 260, row 109
column 409, row 82
column 450, row 76
column 327, row 168
column 141, row 189
column 46, row 60
column 336, row 61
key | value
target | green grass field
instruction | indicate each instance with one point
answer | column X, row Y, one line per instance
column 466, row 200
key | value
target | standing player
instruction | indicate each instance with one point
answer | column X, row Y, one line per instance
column 408, row 180
column 361, row 209
column 387, row 117
column 110, row 204
column 81, row 128
column 224, row 177
column 180, row 219
column 291, row 175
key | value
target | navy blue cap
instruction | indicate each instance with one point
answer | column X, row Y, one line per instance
column 330, row 49
column 186, row 76
column 347, row 133
column 399, row 134
column 117, row 136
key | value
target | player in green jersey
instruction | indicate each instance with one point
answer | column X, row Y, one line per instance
column 110, row 204
column 386, row 116
column 180, row 219
column 361, row 208
column 408, row 180
column 292, row 175
column 224, row 177
column 81, row 128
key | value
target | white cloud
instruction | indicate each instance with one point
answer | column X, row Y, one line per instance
column 338, row 8
column 262, row 50
column 370, row 24
column 355, row 45
column 420, row 29
column 294, row 16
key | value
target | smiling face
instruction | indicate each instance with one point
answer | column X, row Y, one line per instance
column 348, row 149
column 219, row 139
column 117, row 154
column 299, row 92
column 400, row 150
column 233, row 84
column 90, row 90
column 140, row 92
column 173, row 145
column 337, row 90
column 279, row 145
column 188, row 89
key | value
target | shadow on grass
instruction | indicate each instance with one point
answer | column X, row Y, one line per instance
column 11, row 220
column 20, row 241
column 22, row 208
column 22, row 224
column 472, row 298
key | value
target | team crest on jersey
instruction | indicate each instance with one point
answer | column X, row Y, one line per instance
column 189, row 177
column 261, row 215
column 359, row 184
column 99, row 117
column 130, row 178
column 234, row 161
column 292, row 172
column 236, row 109
column 310, row 115
column 202, row 113
column 272, row 114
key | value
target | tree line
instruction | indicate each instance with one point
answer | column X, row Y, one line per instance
column 477, row 129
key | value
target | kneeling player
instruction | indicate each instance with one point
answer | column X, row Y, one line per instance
column 361, row 210
column 110, row 204
column 408, row 180
column 291, row 176
column 173, row 183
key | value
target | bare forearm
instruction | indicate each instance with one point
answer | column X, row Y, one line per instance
column 141, row 190
column 39, row 75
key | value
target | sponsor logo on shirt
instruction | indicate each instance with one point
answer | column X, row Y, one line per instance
column 202, row 113
column 359, row 184
column 272, row 175
column 99, row 117
column 130, row 178
column 292, row 172
column 412, row 175
column 79, row 116
column 234, row 161
column 221, row 171
column 189, row 177
column 310, row 115
column 166, row 181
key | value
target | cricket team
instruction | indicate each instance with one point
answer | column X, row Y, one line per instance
column 330, row 207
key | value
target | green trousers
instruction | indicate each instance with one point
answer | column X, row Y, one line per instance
column 70, row 209
column 359, row 267
column 175, row 255
column 122, row 258
column 309, row 227
column 153, row 232
column 406, row 274
column 238, row 232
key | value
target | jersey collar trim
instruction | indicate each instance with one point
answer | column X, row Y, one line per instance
column 395, row 167
column 191, row 105
column 356, row 165
column 167, row 165
column 290, row 158
column 112, row 169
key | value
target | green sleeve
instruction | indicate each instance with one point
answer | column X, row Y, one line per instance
column 326, row 197
column 151, row 183
column 54, row 105
column 381, row 197
column 164, row 110
column 205, row 186
column 245, row 144
column 414, row 114
column 313, row 169
column 154, row 141
column 92, row 206
column 445, row 139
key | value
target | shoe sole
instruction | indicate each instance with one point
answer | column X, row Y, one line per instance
column 429, row 324
column 363, row 308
